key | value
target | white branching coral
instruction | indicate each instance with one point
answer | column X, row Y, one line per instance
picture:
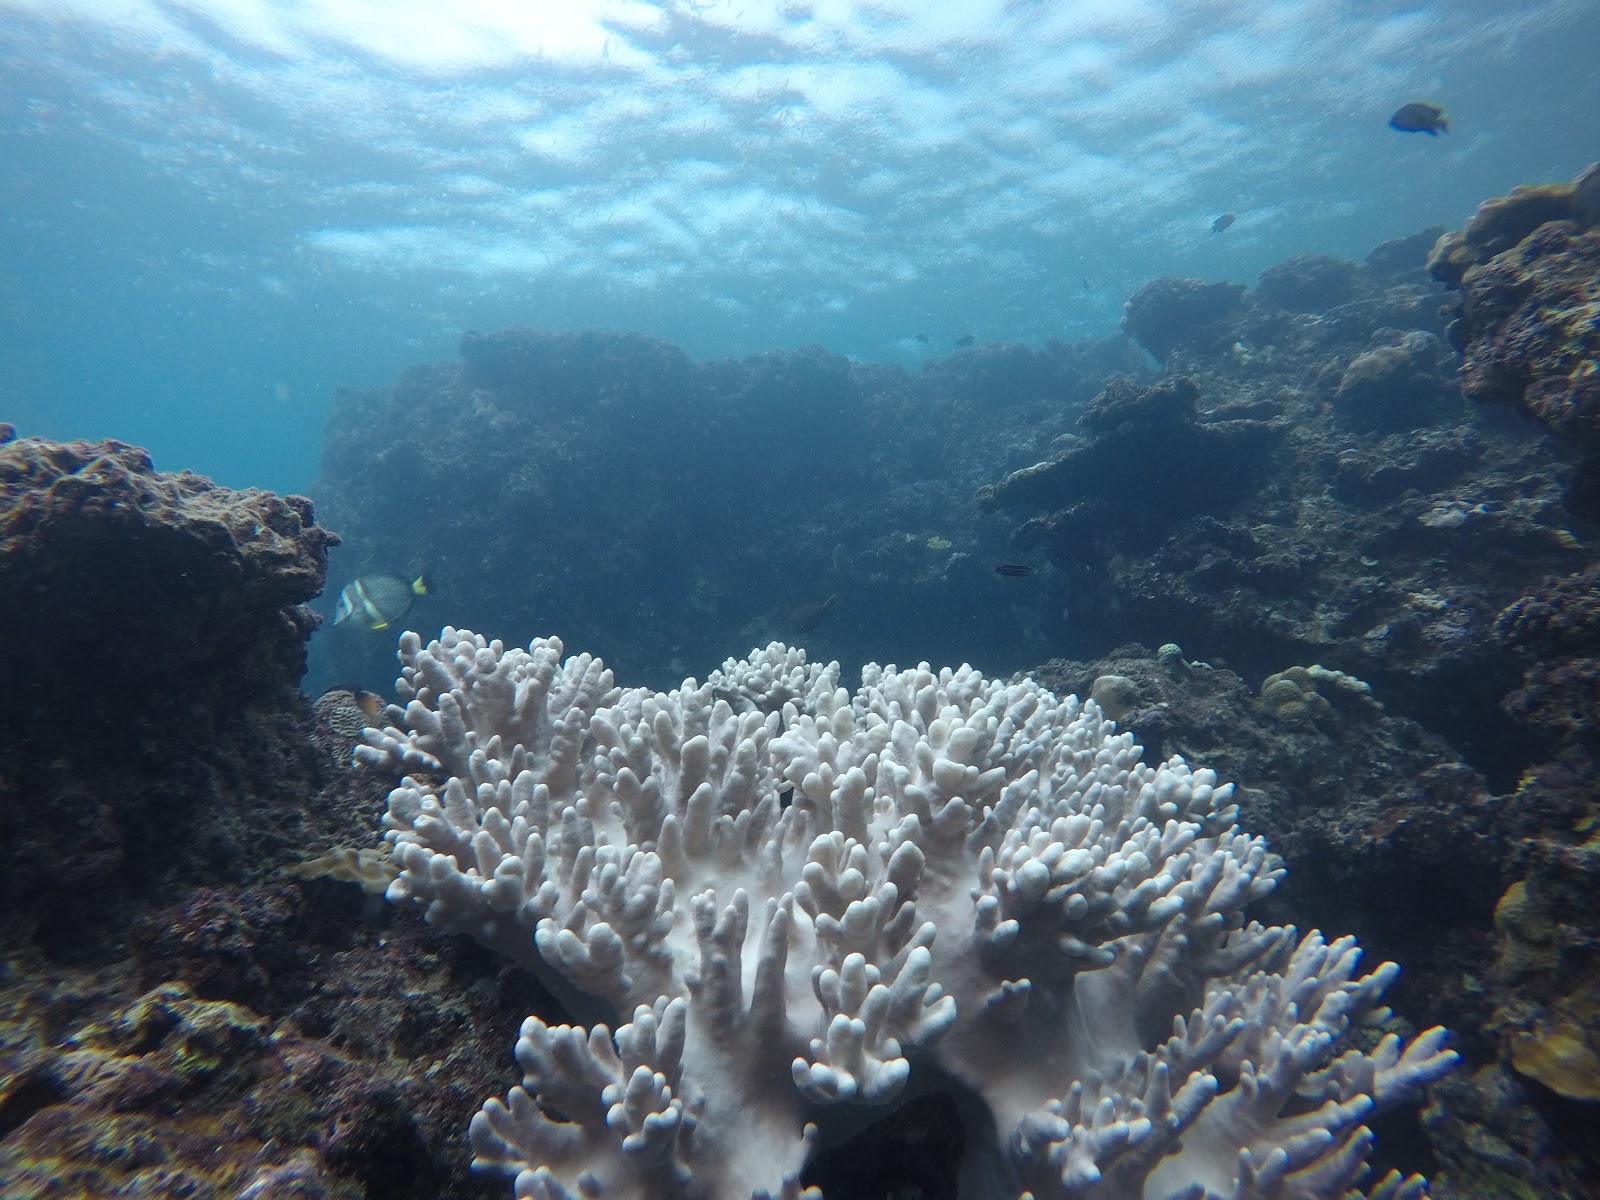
column 768, row 903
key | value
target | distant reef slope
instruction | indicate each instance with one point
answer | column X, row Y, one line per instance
column 667, row 513
column 1304, row 482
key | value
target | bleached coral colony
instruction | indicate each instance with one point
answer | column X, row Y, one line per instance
column 775, row 908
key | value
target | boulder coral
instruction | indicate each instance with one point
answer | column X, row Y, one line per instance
column 1310, row 282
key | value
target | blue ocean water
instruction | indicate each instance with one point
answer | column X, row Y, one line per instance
column 215, row 213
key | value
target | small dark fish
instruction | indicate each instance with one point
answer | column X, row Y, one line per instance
column 807, row 615
column 1014, row 570
column 923, row 338
column 1420, row 118
column 966, row 339
column 1223, row 222
column 377, row 601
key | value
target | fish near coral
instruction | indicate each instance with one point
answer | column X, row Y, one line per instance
column 377, row 601
column 348, row 709
column 1223, row 222
column 1417, row 117
column 807, row 616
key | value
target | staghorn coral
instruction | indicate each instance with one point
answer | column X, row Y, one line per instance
column 769, row 923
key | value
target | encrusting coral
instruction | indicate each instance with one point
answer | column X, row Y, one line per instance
column 775, row 909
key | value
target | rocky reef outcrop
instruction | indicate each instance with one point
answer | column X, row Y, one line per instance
column 159, row 625
column 1169, row 315
column 1526, row 272
column 197, row 994
column 1149, row 456
column 1372, row 520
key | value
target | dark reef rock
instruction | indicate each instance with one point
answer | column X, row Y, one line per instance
column 1151, row 456
column 359, row 1087
column 1555, row 631
column 1518, row 1117
column 1403, row 259
column 113, row 565
column 159, row 636
column 190, row 1004
column 1310, row 283
column 1380, row 529
column 558, row 371
column 1529, row 325
column 1561, row 618
column 1398, row 385
column 1170, row 314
